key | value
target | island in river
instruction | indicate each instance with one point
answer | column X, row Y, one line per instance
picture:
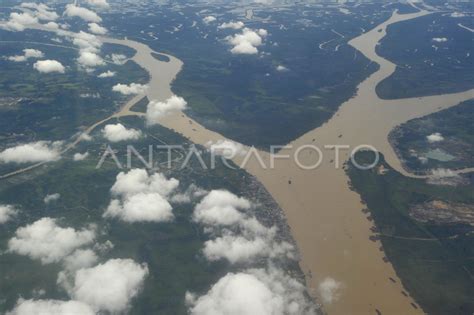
column 324, row 214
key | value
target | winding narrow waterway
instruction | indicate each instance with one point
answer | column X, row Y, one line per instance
column 324, row 215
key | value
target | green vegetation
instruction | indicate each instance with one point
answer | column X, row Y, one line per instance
column 172, row 251
column 161, row 57
column 246, row 98
column 456, row 149
column 54, row 106
column 435, row 262
column 109, row 49
column 425, row 66
column 141, row 105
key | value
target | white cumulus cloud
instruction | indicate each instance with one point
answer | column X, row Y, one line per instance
column 118, row 59
column 255, row 291
column 51, row 25
column 157, row 110
column 138, row 180
column 107, row 74
column 329, row 290
column 86, row 41
column 132, row 88
column 50, row 307
column 189, row 195
column 281, row 68
column 41, row 11
column 242, row 294
column 234, row 248
column 119, row 132
column 17, row 58
column 141, row 207
column 209, row 19
column 110, row 286
column 48, row 66
column 90, row 60
column 141, row 197
column 41, row 151
column 80, row 156
column 262, row 32
column 51, row 197
column 85, row 137
column 244, row 48
column 233, row 25
column 32, row 53
column 220, row 207
column 97, row 29
column 239, row 237
column 83, row 13
column 80, row 258
column 7, row 212
column 19, row 21
column 46, row 241
column 27, row 54
column 246, row 246
column 226, row 148
column 247, row 41
column 435, row 137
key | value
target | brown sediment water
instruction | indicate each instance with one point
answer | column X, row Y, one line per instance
column 324, row 214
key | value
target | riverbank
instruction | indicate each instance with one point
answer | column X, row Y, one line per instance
column 324, row 214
